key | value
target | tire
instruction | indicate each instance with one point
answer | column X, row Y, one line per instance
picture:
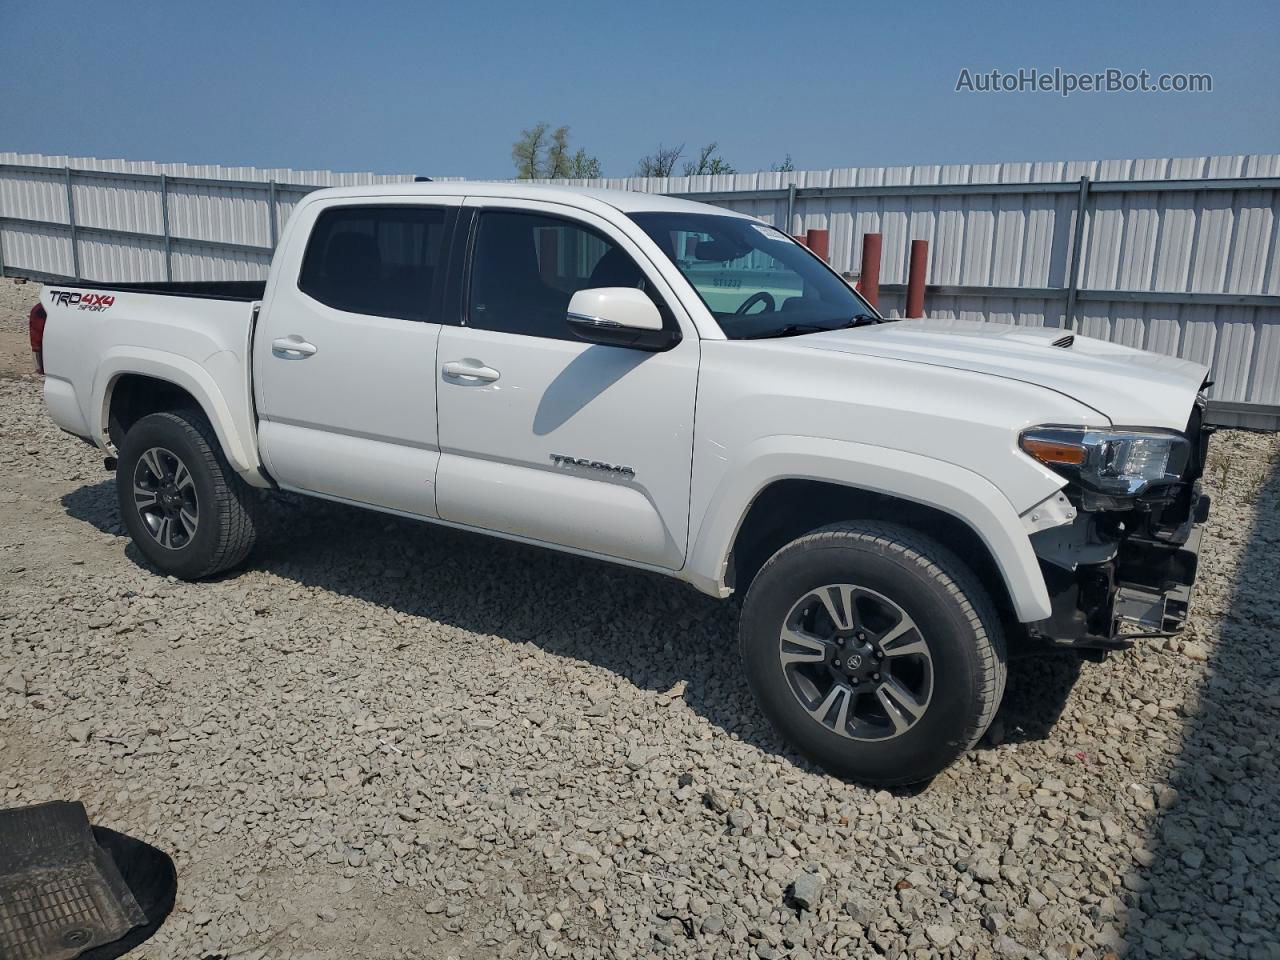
column 912, row 704
column 182, row 446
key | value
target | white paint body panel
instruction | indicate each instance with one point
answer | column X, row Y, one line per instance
column 198, row 344
column 617, row 406
column 620, row 305
column 1132, row 387
column 775, row 410
column 926, row 411
column 356, row 419
column 573, row 399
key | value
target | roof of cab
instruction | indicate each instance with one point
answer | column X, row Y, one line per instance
column 625, row 200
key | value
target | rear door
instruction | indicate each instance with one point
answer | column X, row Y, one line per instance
column 543, row 435
column 345, row 351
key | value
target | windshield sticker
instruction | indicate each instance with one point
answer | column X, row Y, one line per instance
column 771, row 233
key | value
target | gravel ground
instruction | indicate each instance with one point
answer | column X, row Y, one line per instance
column 384, row 739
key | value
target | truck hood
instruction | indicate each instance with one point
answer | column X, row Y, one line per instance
column 1130, row 387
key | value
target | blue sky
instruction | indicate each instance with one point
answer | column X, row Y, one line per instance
column 444, row 88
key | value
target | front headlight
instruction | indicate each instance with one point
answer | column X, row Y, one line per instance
column 1119, row 463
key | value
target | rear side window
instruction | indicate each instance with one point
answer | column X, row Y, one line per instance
column 527, row 266
column 381, row 261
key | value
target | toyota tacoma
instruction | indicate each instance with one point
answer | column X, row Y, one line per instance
column 678, row 388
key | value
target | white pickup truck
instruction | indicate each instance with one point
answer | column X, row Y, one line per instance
column 675, row 387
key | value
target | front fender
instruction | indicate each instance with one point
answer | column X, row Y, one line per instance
column 962, row 493
column 231, row 422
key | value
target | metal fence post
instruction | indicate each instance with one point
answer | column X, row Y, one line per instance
column 71, row 220
column 164, row 223
column 791, row 205
column 1, row 242
column 271, row 212
column 1073, row 281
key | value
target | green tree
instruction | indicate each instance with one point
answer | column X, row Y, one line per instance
column 526, row 153
column 541, row 152
column 584, row 166
column 786, row 166
column 559, row 161
column 708, row 162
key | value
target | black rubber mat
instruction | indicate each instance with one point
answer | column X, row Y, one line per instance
column 60, row 892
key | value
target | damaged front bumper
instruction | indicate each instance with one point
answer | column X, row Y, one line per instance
column 1155, row 579
column 1099, row 587
column 1116, row 575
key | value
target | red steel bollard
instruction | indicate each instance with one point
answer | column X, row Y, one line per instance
column 869, row 277
column 819, row 242
column 915, row 277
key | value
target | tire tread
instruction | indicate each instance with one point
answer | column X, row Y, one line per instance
column 949, row 572
column 236, row 505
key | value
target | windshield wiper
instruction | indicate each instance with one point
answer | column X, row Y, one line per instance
column 792, row 329
column 789, row 330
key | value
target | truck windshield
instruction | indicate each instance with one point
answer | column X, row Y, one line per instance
column 756, row 281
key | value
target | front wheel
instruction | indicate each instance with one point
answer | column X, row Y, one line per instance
column 874, row 651
column 185, row 508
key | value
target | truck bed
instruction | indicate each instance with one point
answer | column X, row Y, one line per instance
column 194, row 335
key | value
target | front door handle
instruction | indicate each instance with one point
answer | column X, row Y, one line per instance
column 469, row 370
column 292, row 347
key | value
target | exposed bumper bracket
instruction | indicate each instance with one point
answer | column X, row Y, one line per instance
column 1145, row 583
column 1162, row 608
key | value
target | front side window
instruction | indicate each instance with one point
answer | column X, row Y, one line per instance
column 755, row 280
column 527, row 266
column 380, row 261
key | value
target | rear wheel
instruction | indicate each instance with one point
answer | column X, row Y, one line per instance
column 874, row 651
column 185, row 508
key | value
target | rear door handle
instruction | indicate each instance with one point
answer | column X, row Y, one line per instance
column 292, row 347
column 469, row 370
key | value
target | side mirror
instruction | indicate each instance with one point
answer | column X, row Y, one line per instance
column 619, row 317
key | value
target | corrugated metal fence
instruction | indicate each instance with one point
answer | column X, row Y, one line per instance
column 65, row 217
column 1180, row 256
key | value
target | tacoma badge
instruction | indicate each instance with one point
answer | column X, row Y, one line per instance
column 560, row 461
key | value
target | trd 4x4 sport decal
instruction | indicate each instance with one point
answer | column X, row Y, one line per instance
column 83, row 301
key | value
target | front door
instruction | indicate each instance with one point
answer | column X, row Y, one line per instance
column 345, row 353
column 547, row 437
